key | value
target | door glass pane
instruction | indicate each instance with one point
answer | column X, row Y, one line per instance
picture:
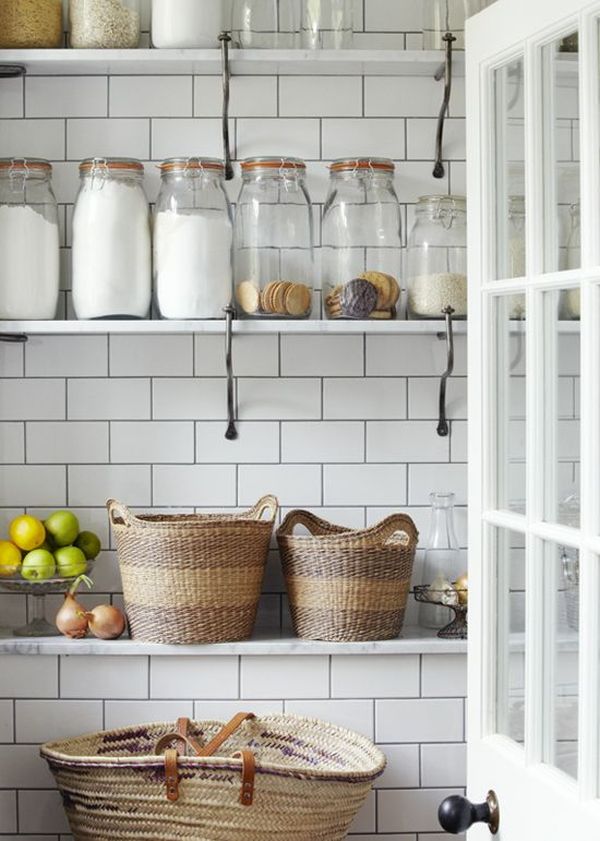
column 561, row 570
column 562, row 402
column 510, row 401
column 560, row 75
column 510, row 654
column 510, row 170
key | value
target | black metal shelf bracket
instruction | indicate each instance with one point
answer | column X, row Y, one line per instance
column 12, row 71
column 444, row 72
column 14, row 338
column 231, row 434
column 443, row 429
column 225, row 39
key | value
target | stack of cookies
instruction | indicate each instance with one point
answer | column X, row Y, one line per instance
column 279, row 297
column 370, row 295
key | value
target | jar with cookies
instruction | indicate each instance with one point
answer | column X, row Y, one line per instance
column 362, row 241
column 274, row 240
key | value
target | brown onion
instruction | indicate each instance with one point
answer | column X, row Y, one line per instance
column 71, row 619
column 106, row 622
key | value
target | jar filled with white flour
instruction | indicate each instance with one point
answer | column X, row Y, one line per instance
column 437, row 258
column 104, row 24
column 191, row 24
column 112, row 252
column 193, row 234
column 29, row 240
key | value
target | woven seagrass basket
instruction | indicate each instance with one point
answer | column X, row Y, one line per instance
column 254, row 778
column 192, row 578
column 344, row 584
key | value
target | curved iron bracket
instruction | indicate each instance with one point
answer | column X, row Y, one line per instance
column 14, row 338
column 445, row 72
column 225, row 39
column 231, row 434
column 12, row 71
column 443, row 429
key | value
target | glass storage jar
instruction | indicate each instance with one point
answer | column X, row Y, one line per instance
column 274, row 243
column 442, row 16
column 112, row 276
column 26, row 24
column 265, row 24
column 104, row 24
column 362, row 240
column 327, row 24
column 437, row 258
column 193, row 237
column 191, row 24
column 29, row 240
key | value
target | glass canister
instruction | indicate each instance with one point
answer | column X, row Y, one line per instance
column 29, row 240
column 25, row 24
column 104, row 24
column 273, row 240
column 571, row 298
column 193, row 237
column 437, row 258
column 112, row 255
column 362, row 240
column 442, row 16
column 327, row 24
column 191, row 24
column 265, row 24
column 442, row 563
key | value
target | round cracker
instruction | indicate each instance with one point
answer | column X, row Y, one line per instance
column 298, row 300
column 383, row 283
column 279, row 296
column 248, row 296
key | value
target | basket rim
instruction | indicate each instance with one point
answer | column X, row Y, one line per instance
column 53, row 752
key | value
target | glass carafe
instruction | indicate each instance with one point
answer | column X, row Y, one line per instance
column 327, row 24
column 265, row 24
column 442, row 558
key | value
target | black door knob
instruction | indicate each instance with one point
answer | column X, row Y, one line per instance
column 456, row 814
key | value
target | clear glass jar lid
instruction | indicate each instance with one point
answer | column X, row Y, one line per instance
column 25, row 166
column 361, row 164
column 273, row 162
column 180, row 166
column 96, row 165
column 442, row 203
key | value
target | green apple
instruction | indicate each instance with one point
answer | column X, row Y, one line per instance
column 89, row 543
column 63, row 527
column 70, row 562
column 38, row 565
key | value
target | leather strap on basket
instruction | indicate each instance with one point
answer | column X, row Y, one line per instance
column 225, row 732
column 171, row 774
column 248, row 775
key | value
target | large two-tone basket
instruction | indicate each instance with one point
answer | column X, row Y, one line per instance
column 192, row 578
column 345, row 584
column 254, row 778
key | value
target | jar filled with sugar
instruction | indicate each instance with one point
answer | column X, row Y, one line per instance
column 105, row 24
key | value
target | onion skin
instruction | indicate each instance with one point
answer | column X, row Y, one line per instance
column 106, row 622
column 71, row 619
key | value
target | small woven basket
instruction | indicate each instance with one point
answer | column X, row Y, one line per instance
column 261, row 779
column 192, row 578
column 346, row 585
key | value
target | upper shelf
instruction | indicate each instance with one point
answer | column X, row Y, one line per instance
column 243, row 62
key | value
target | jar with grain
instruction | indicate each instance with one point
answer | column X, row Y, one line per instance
column 273, row 240
column 437, row 258
column 31, row 24
column 179, row 24
column 112, row 275
column 193, row 238
column 29, row 240
column 104, row 24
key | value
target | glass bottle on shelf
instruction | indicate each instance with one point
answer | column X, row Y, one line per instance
column 571, row 298
column 362, row 240
column 29, row 240
column 192, row 240
column 265, row 24
column 273, row 240
column 101, row 25
column 442, row 561
column 24, row 25
column 437, row 258
column 442, row 16
column 327, row 24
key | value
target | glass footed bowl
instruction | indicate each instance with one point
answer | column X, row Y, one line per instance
column 38, row 626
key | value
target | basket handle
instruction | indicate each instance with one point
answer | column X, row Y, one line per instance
column 266, row 503
column 395, row 523
column 181, row 735
column 119, row 514
column 314, row 524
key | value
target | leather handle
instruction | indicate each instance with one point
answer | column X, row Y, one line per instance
column 248, row 776
column 223, row 734
column 169, row 738
column 171, row 775
column 181, row 735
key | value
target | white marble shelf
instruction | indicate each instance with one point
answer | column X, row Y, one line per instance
column 413, row 640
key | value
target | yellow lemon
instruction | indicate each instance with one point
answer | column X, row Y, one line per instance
column 10, row 559
column 27, row 532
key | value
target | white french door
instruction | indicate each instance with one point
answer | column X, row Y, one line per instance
column 533, row 94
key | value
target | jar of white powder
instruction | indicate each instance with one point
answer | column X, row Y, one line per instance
column 193, row 235
column 437, row 258
column 104, row 24
column 178, row 24
column 112, row 254
column 29, row 240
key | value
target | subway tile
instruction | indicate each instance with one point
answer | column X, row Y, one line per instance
column 253, row 356
column 321, row 356
column 152, row 442
column 443, row 478
column 28, row 676
column 151, row 356
column 131, row 713
column 444, row 765
column 12, row 355
column 378, row 137
column 150, row 96
column 11, row 101
column 194, row 677
column 13, row 610
column 189, row 399
column 66, row 96
column 419, row 721
column 366, row 818
column 8, row 811
column 224, row 710
column 323, row 441
column 397, row 96
column 103, row 677
column 198, row 485
column 412, row 356
column 320, row 96
column 459, row 441
column 256, row 443
column 421, row 134
column 292, row 484
column 32, row 485
column 364, row 484
column 444, row 676
column 376, row 676
column 415, row 179
column 351, row 714
column 251, row 96
column 32, row 139
column 423, row 398
column 21, row 767
column 6, row 721
column 44, row 721
column 32, row 399
column 285, row 677
column 108, row 399
column 107, row 138
column 41, row 811
column 186, row 137
column 297, row 138
column 386, row 16
column 66, row 356
column 12, row 443
column 402, row 769
column 279, row 399
column 69, row 442
column 92, row 485
column 411, row 809
column 404, row 441
column 364, row 398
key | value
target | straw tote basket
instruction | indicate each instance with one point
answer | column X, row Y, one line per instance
column 344, row 584
column 275, row 777
column 192, row 578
